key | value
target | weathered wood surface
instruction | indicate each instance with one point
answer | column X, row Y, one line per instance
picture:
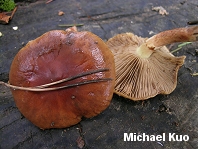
column 174, row 113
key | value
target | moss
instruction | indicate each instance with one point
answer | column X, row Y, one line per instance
column 7, row 5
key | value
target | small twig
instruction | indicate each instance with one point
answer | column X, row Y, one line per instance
column 180, row 46
column 73, row 77
column 70, row 25
column 192, row 22
column 184, row 44
column 176, row 50
column 35, row 89
column 13, row 12
column 49, row 1
column 194, row 74
column 43, row 87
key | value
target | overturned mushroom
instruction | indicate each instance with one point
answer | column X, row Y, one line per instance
column 61, row 77
column 145, row 67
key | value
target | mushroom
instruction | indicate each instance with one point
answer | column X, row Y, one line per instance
column 61, row 77
column 144, row 66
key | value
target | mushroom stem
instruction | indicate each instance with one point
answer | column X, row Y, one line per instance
column 186, row 34
column 143, row 51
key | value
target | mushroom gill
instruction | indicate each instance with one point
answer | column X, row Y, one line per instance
column 144, row 66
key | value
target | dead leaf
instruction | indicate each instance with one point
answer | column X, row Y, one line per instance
column 80, row 142
column 4, row 19
column 60, row 13
column 161, row 10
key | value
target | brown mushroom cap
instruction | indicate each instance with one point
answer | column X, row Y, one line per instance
column 143, row 68
column 56, row 55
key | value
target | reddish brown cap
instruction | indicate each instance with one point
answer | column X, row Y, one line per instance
column 54, row 56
